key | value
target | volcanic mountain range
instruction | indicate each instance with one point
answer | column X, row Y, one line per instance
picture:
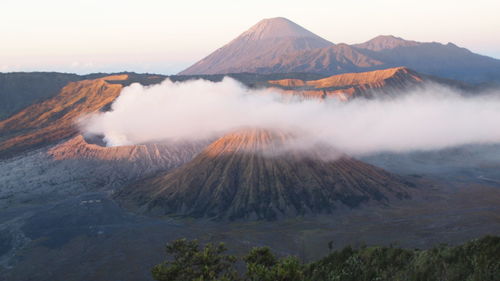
column 230, row 170
column 231, row 178
column 278, row 45
column 59, row 189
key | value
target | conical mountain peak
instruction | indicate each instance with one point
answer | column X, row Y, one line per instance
column 249, row 140
column 267, row 40
column 227, row 181
column 277, row 28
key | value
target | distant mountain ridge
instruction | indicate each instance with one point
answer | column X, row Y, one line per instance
column 262, row 49
column 346, row 86
column 386, row 42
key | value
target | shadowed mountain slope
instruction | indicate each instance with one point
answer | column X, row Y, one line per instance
column 444, row 60
column 448, row 61
column 21, row 89
column 247, row 175
column 335, row 59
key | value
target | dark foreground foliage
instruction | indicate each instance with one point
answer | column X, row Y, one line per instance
column 477, row 260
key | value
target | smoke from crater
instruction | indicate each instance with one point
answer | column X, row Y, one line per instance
column 431, row 118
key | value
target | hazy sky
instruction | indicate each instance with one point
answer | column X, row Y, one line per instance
column 86, row 36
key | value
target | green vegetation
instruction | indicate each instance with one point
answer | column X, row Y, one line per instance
column 477, row 260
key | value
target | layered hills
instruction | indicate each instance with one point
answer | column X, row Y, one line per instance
column 250, row 53
column 443, row 60
column 247, row 175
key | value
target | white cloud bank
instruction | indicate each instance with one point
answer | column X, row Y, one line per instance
column 427, row 119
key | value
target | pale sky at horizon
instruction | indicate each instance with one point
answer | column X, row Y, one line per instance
column 166, row 36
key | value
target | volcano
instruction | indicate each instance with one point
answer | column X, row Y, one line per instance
column 267, row 40
column 250, row 174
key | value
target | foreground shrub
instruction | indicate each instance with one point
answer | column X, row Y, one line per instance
column 477, row 260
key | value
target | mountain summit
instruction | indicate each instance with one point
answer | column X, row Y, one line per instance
column 386, row 42
column 267, row 40
column 278, row 28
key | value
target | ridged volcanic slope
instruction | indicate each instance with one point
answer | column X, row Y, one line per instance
column 233, row 178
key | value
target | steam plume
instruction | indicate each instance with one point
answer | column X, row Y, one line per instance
column 432, row 118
